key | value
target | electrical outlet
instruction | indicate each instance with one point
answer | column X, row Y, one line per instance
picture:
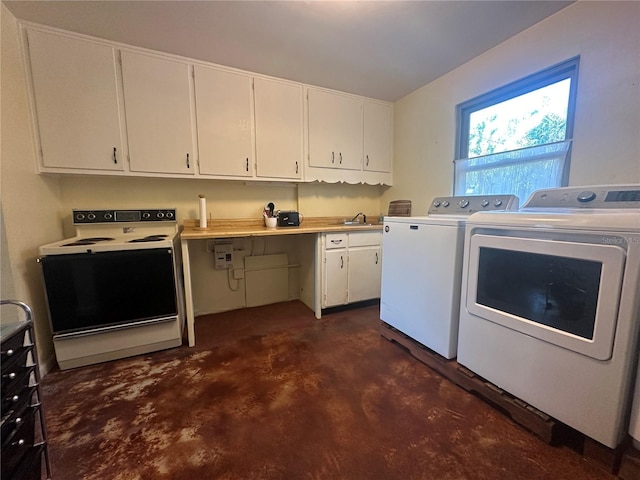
column 238, row 273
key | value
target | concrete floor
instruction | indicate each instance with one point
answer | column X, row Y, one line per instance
column 273, row 393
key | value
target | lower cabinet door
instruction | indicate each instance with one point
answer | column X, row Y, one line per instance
column 365, row 270
column 335, row 278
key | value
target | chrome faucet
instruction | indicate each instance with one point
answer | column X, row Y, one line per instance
column 364, row 217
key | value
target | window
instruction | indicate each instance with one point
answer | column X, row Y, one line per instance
column 517, row 139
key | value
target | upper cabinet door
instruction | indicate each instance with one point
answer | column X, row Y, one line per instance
column 76, row 101
column 158, row 105
column 335, row 130
column 224, row 119
column 279, row 129
column 378, row 137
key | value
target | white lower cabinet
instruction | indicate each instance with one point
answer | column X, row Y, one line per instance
column 364, row 273
column 351, row 267
column 336, row 264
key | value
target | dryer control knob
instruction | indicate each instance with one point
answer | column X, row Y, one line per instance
column 497, row 203
column 436, row 203
column 445, row 204
column 464, row 203
column 586, row 196
column 484, row 203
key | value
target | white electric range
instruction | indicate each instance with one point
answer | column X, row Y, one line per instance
column 114, row 289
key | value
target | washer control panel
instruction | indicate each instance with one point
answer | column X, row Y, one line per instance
column 471, row 204
column 83, row 217
column 604, row 196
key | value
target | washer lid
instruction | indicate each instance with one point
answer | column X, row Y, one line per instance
column 442, row 220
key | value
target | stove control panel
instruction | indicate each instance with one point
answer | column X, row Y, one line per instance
column 83, row 217
column 470, row 204
column 605, row 196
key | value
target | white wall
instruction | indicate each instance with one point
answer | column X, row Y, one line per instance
column 30, row 203
column 606, row 147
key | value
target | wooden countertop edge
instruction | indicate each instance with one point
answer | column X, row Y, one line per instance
column 248, row 227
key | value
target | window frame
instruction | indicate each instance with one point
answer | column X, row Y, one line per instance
column 561, row 71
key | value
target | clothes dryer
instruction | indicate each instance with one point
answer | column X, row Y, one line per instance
column 550, row 307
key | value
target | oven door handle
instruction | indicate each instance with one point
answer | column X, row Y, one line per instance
column 112, row 328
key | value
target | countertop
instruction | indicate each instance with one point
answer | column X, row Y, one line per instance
column 249, row 227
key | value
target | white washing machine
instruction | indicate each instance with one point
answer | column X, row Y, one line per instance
column 422, row 269
column 550, row 306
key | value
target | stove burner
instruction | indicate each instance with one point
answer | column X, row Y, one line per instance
column 87, row 241
column 150, row 238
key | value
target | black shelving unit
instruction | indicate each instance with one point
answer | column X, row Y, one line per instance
column 23, row 431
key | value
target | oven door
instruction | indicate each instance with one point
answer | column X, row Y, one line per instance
column 562, row 292
column 101, row 291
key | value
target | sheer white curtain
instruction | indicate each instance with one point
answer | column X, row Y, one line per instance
column 519, row 172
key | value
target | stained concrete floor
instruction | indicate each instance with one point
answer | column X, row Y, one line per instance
column 273, row 393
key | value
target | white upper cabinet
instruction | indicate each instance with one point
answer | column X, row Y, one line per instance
column 279, row 129
column 335, row 130
column 224, row 119
column 107, row 109
column 76, row 103
column 378, row 136
column 350, row 138
column 159, row 112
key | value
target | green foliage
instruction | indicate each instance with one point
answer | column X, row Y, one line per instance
column 552, row 128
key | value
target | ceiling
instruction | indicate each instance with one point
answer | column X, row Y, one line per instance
column 379, row 49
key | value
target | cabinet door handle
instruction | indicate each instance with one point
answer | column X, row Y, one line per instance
column 341, row 261
column 115, row 157
column 340, row 158
column 376, row 258
column 188, row 164
column 367, row 160
column 333, row 157
column 296, row 167
column 247, row 165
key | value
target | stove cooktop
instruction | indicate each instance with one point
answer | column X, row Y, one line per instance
column 112, row 230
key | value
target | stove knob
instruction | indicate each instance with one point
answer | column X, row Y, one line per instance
column 464, row 203
column 146, row 215
column 91, row 216
column 160, row 215
column 108, row 216
column 436, row 204
column 79, row 216
column 497, row 203
column 445, row 204
column 484, row 203
column 169, row 214
column 586, row 196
